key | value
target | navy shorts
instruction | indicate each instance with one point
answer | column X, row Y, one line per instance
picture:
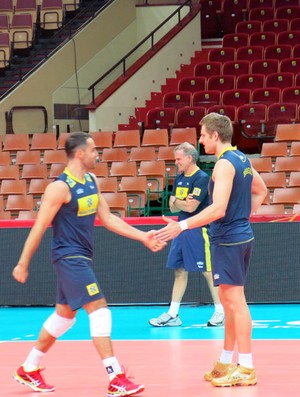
column 231, row 262
column 190, row 251
column 76, row 282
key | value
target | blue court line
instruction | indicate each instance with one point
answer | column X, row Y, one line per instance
column 270, row 321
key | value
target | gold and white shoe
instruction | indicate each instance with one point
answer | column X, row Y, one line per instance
column 218, row 371
column 237, row 376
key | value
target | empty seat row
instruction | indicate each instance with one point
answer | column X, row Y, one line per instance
column 19, row 22
column 245, row 5
column 252, row 53
column 269, row 25
column 283, row 12
column 257, row 66
column 191, row 116
column 262, row 39
column 41, row 10
column 217, row 20
column 235, row 97
column 223, row 82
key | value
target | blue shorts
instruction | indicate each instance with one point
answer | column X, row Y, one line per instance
column 76, row 282
column 190, row 251
column 231, row 262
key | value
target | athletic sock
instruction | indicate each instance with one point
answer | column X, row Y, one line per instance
column 245, row 359
column 112, row 366
column 33, row 360
column 226, row 356
column 219, row 308
column 174, row 309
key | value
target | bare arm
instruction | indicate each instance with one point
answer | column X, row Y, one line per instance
column 117, row 225
column 188, row 205
column 259, row 191
column 55, row 195
column 223, row 176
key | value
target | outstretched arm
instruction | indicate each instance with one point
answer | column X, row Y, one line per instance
column 117, row 225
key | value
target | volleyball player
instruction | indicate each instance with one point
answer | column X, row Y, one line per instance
column 236, row 190
column 70, row 204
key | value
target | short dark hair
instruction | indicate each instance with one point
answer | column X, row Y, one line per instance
column 74, row 141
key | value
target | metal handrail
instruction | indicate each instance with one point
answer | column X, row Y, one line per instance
column 150, row 36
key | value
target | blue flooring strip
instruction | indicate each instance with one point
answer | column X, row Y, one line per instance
column 270, row 321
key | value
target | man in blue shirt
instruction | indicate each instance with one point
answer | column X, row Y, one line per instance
column 189, row 252
column 236, row 191
column 71, row 204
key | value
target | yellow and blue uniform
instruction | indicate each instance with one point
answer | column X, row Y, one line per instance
column 232, row 236
column 73, row 241
column 191, row 249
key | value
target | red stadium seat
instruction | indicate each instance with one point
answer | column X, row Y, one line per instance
column 235, row 40
column 236, row 97
column 236, row 67
column 248, row 27
column 262, row 39
column 279, row 52
column 250, row 53
column 221, row 82
column 280, row 80
column 177, row 99
column 207, row 69
column 161, row 117
column 261, row 14
column 275, row 25
column 225, row 110
column 264, row 66
column 221, row 54
column 190, row 116
column 250, row 81
column 192, row 84
column 291, row 65
column 266, row 95
column 206, row 98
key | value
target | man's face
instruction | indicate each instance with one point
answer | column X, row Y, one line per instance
column 182, row 161
column 89, row 155
column 207, row 140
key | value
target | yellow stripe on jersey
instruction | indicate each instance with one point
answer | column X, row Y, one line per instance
column 87, row 205
column 206, row 249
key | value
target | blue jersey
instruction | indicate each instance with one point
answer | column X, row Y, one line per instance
column 195, row 184
column 235, row 226
column 73, row 225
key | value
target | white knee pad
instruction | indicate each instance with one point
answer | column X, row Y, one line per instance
column 57, row 325
column 100, row 322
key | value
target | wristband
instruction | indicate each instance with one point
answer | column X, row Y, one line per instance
column 183, row 225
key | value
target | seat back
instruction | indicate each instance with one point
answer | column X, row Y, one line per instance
column 117, row 202
column 51, row 14
column 155, row 137
column 275, row 25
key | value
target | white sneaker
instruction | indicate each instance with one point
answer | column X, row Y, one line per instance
column 165, row 320
column 216, row 320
